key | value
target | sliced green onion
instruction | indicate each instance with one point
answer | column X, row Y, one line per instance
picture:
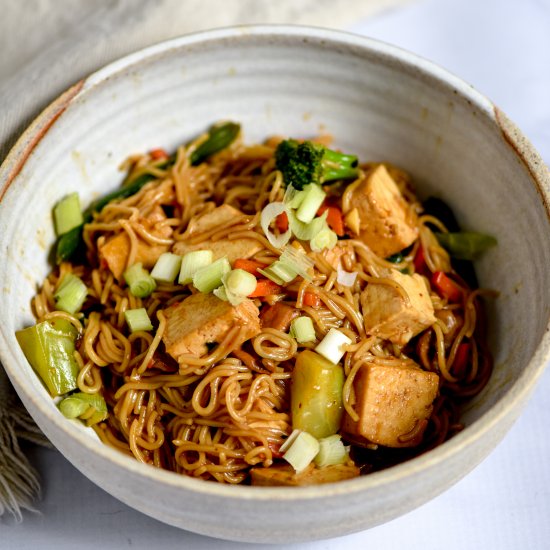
column 326, row 238
column 166, row 268
column 298, row 261
column 71, row 294
column 138, row 319
column 90, row 405
column 465, row 245
column 140, row 281
column 331, row 346
column 237, row 285
column 310, row 203
column 302, row 451
column 210, row 277
column 269, row 213
column 192, row 262
column 306, row 231
column 302, row 329
column 293, row 198
column 331, row 451
column 67, row 214
column 279, row 272
column 289, row 441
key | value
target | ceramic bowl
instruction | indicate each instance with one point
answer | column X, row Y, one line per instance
column 379, row 102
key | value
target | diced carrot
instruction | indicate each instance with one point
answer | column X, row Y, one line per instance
column 265, row 287
column 419, row 262
column 460, row 363
column 335, row 220
column 157, row 154
column 311, row 299
column 275, row 449
column 446, row 287
column 281, row 222
column 251, row 266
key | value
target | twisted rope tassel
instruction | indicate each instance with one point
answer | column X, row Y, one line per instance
column 19, row 483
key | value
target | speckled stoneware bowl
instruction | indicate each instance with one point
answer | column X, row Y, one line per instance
column 379, row 102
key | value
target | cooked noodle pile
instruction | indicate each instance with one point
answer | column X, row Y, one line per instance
column 216, row 416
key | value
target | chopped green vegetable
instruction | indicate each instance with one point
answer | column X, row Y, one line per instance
column 331, row 451
column 269, row 214
column 316, row 395
column 302, row 329
column 302, row 451
column 311, row 201
column 92, row 406
column 71, row 294
column 139, row 280
column 219, row 137
column 465, row 245
column 396, row 258
column 331, row 346
column 237, row 285
column 49, row 347
column 210, row 277
column 298, row 261
column 67, row 214
column 166, row 268
column 306, row 231
column 326, row 238
column 192, row 262
column 279, row 272
column 138, row 319
column 307, row 162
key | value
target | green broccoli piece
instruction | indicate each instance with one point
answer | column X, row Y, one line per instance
column 307, row 162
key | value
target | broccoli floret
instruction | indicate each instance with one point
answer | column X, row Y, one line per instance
column 307, row 162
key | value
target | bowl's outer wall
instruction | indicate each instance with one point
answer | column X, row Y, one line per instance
column 377, row 102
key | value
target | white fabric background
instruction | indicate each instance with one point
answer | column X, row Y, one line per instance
column 503, row 48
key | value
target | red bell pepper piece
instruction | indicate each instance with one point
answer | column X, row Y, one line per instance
column 446, row 287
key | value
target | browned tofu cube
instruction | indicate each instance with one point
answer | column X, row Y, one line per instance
column 387, row 224
column 230, row 249
column 285, row 475
column 202, row 319
column 388, row 315
column 219, row 217
column 115, row 251
column 393, row 403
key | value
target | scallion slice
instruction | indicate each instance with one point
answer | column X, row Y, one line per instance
column 67, row 214
column 140, row 281
column 302, row 451
column 331, row 451
column 310, row 203
column 302, row 329
column 71, row 294
column 210, row 277
column 90, row 404
column 166, row 268
column 269, row 213
column 326, row 238
column 279, row 272
column 331, row 346
column 192, row 262
column 138, row 319
column 237, row 285
column 306, row 231
column 298, row 261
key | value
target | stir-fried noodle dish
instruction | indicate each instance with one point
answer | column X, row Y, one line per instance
column 281, row 313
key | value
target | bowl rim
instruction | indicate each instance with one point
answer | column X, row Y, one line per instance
column 529, row 157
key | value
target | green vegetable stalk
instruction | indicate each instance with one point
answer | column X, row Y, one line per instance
column 49, row 347
column 316, row 395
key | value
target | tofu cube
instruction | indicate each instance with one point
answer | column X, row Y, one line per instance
column 392, row 403
column 201, row 319
column 115, row 251
column 219, row 217
column 388, row 315
column 387, row 224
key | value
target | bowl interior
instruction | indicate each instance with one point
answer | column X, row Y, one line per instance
column 383, row 104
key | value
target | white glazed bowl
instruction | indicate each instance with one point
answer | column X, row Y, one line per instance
column 378, row 101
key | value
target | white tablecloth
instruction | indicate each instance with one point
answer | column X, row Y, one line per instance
column 503, row 48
